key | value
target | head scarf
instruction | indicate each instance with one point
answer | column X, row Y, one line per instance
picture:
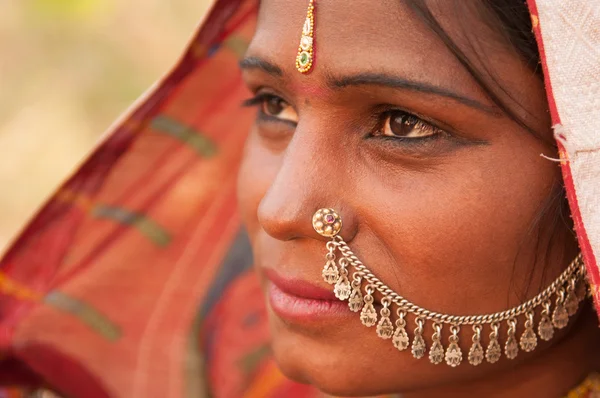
column 134, row 279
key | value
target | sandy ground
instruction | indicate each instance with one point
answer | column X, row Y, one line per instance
column 68, row 69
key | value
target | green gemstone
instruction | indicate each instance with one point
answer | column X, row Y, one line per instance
column 304, row 58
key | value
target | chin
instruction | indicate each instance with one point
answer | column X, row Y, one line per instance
column 345, row 360
column 328, row 363
column 329, row 380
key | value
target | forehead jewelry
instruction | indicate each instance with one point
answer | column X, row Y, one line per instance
column 549, row 310
column 305, row 57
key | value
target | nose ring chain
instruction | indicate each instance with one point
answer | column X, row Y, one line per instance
column 352, row 281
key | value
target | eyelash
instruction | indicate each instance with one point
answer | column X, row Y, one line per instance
column 260, row 98
column 410, row 119
column 257, row 101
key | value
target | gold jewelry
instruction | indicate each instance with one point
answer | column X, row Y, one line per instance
column 566, row 289
column 589, row 388
column 305, row 57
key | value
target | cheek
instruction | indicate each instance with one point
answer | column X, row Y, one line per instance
column 457, row 230
column 444, row 236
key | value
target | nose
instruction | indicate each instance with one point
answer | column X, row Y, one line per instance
column 312, row 176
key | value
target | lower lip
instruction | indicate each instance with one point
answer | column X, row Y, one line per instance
column 304, row 309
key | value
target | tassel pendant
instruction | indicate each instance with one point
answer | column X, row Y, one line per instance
column 342, row 288
column 560, row 317
column 368, row 315
column 528, row 338
column 511, row 349
column 493, row 351
column 454, row 354
column 418, row 345
column 355, row 302
column 385, row 328
column 545, row 328
column 400, row 339
column 330, row 271
column 436, row 352
column 476, row 353
column 571, row 302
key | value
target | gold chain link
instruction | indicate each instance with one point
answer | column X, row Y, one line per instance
column 576, row 268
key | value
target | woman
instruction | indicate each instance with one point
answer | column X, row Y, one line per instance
column 406, row 233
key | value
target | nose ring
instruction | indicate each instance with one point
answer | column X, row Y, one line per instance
column 327, row 222
column 358, row 289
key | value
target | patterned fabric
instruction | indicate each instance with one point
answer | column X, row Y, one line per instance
column 135, row 279
column 569, row 40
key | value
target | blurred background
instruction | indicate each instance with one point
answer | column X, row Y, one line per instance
column 68, row 69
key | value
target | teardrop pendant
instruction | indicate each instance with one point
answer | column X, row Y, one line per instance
column 400, row 339
column 342, row 287
column 511, row 349
column 454, row 354
column 476, row 353
column 436, row 352
column 355, row 302
column 368, row 315
column 330, row 272
column 493, row 352
column 385, row 329
column 418, row 346
column 560, row 317
column 571, row 302
column 528, row 340
column 545, row 328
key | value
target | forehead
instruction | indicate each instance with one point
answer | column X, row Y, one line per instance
column 358, row 35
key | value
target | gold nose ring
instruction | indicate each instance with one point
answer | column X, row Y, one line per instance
column 359, row 288
column 327, row 222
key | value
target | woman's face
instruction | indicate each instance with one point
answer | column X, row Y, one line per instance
column 442, row 195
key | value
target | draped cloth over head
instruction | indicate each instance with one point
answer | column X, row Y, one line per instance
column 134, row 279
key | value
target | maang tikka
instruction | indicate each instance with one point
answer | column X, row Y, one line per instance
column 549, row 310
column 306, row 52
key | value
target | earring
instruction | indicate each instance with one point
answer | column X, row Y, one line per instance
column 566, row 291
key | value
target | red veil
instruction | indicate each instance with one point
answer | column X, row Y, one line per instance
column 134, row 279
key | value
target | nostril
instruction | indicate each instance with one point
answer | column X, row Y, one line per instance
column 286, row 221
column 282, row 221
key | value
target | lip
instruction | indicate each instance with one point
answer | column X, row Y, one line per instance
column 296, row 299
column 300, row 288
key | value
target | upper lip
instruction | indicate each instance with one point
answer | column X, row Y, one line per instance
column 299, row 287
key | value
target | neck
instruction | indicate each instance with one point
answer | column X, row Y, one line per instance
column 551, row 374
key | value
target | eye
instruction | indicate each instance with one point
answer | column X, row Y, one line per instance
column 274, row 107
column 404, row 125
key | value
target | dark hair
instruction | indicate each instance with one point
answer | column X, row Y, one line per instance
column 511, row 19
column 515, row 23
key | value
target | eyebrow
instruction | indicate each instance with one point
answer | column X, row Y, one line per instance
column 385, row 80
column 371, row 79
column 251, row 63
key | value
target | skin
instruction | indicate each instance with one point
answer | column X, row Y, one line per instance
column 455, row 223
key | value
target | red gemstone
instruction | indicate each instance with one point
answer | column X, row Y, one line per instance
column 329, row 219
